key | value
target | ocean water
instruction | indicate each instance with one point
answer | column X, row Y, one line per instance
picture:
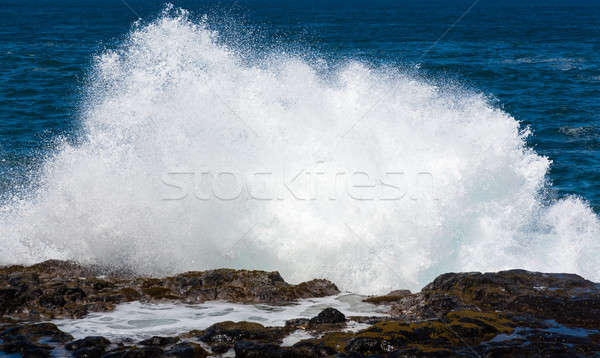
column 377, row 145
column 135, row 320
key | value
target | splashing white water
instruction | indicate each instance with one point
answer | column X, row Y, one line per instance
column 142, row 320
column 173, row 100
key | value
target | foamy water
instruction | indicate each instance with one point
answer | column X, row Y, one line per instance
column 138, row 321
column 194, row 157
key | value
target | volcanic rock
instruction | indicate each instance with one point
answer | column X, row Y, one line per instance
column 566, row 298
column 328, row 315
column 186, row 350
column 63, row 289
column 512, row 313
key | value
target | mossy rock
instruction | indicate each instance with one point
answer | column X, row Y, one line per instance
column 129, row 293
column 393, row 296
column 455, row 330
column 158, row 292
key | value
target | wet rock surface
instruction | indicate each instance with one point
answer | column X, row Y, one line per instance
column 512, row 313
column 61, row 289
column 328, row 315
column 566, row 298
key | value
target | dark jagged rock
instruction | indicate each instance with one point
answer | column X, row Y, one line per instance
column 328, row 315
column 89, row 352
column 566, row 298
column 88, row 347
column 31, row 340
column 244, row 286
column 63, row 289
column 250, row 349
column 393, row 296
column 222, row 336
column 159, row 341
column 22, row 346
column 135, row 352
column 297, row 323
column 91, row 341
column 37, row 331
column 388, row 336
column 423, row 306
column 186, row 350
column 506, row 314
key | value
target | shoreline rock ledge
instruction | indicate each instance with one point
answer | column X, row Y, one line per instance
column 63, row 289
column 513, row 313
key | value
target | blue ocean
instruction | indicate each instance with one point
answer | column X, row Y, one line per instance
column 111, row 110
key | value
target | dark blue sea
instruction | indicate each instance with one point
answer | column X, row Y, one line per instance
column 99, row 99
column 539, row 59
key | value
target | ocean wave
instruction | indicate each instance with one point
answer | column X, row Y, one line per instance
column 370, row 177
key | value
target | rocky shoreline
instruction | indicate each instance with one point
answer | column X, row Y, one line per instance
column 512, row 313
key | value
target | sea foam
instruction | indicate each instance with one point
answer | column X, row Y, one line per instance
column 194, row 156
column 138, row 321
